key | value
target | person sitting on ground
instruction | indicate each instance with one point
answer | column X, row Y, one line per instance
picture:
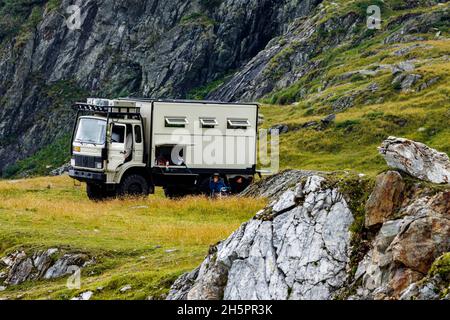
column 216, row 184
column 238, row 185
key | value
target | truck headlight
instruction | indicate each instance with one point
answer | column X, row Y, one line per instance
column 77, row 149
column 72, row 162
column 99, row 165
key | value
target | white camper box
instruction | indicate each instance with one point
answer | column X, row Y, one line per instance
column 213, row 136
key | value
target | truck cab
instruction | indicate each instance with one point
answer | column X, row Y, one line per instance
column 126, row 146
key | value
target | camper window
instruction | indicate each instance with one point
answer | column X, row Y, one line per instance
column 238, row 123
column 208, row 123
column 176, row 122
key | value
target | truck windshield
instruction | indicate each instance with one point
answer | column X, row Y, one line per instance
column 91, row 131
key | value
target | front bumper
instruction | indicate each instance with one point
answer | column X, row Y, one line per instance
column 87, row 176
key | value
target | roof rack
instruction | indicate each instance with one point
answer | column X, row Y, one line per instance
column 121, row 110
column 184, row 101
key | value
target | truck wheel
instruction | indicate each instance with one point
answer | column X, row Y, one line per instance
column 96, row 192
column 134, row 185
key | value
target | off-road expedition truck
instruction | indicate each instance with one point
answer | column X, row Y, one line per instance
column 130, row 146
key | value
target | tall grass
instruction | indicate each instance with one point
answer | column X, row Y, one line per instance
column 133, row 239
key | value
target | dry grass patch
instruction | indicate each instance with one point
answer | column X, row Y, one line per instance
column 147, row 242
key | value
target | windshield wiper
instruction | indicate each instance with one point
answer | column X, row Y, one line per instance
column 87, row 142
column 91, row 142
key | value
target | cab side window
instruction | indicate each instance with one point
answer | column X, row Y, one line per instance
column 137, row 134
column 118, row 134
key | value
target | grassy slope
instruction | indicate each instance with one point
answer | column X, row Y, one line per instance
column 124, row 236
column 352, row 141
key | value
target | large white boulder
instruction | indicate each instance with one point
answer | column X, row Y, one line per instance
column 416, row 159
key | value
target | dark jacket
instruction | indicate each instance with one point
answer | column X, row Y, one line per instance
column 216, row 187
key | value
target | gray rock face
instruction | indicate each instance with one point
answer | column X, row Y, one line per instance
column 40, row 265
column 343, row 103
column 328, row 120
column 427, row 291
column 411, row 25
column 416, row 159
column 85, row 296
column 282, row 128
column 406, row 81
column 145, row 48
column 281, row 63
column 299, row 251
column 62, row 266
column 168, row 48
column 61, row 170
column 273, row 186
column 407, row 66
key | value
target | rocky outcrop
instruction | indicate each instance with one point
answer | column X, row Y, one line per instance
column 416, row 159
column 288, row 58
column 385, row 198
column 313, row 242
column 404, row 249
column 48, row 264
column 297, row 248
column 229, row 50
column 61, row 170
column 433, row 287
column 274, row 186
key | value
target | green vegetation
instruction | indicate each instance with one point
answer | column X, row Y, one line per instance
column 148, row 243
column 20, row 17
column 53, row 5
column 56, row 153
column 351, row 142
column 143, row 243
column 64, row 92
column 197, row 18
column 43, row 162
column 368, row 116
column 200, row 93
column 441, row 267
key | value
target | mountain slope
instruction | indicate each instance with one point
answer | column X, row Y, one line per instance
column 124, row 47
column 315, row 57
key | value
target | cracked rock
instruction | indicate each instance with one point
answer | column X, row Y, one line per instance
column 416, row 159
column 23, row 267
column 301, row 254
column 385, row 198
